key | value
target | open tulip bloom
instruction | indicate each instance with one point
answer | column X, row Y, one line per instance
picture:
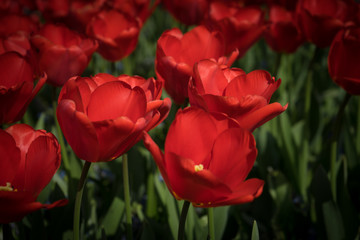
column 29, row 159
column 102, row 117
column 207, row 159
column 217, row 88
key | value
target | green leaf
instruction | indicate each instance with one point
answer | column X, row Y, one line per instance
column 220, row 220
column 113, row 216
column 333, row 221
column 255, row 232
column 173, row 215
column 151, row 203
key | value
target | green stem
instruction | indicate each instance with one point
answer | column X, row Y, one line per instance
column 277, row 64
column 79, row 194
column 127, row 65
column 184, row 211
column 308, row 83
column 127, row 198
column 336, row 133
column 211, row 223
column 358, row 128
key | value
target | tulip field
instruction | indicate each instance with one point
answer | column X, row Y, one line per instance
column 176, row 119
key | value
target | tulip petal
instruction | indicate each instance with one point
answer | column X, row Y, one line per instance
column 120, row 100
column 175, row 76
column 158, row 156
column 15, row 99
column 232, row 106
column 209, row 77
column 233, row 156
column 65, row 63
column 259, row 117
column 195, row 186
column 245, row 192
column 42, row 161
column 258, row 82
column 189, row 134
column 200, row 43
column 14, row 69
column 10, row 158
column 15, row 205
column 112, row 136
column 78, row 131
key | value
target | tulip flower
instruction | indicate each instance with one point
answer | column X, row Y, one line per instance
column 63, row 53
column 320, row 20
column 241, row 26
column 343, row 60
column 11, row 23
column 176, row 55
column 16, row 86
column 136, row 8
column 207, row 159
column 117, row 34
column 188, row 12
column 29, row 159
column 103, row 116
column 245, row 97
column 283, row 35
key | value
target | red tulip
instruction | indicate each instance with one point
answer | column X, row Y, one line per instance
column 75, row 14
column 136, row 8
column 11, row 23
column 188, row 12
column 176, row 55
column 116, row 33
column 283, row 35
column 52, row 9
column 29, row 159
column 245, row 97
column 16, row 86
column 320, row 20
column 343, row 60
column 241, row 26
column 63, row 53
column 102, row 117
column 207, row 159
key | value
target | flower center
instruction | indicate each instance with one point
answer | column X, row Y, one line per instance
column 7, row 188
column 199, row 167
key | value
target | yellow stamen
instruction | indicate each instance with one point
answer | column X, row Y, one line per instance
column 7, row 188
column 199, row 167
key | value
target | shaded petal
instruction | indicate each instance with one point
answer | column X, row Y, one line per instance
column 14, row 69
column 160, row 113
column 43, row 159
column 175, row 76
column 78, row 131
column 16, row 205
column 246, row 192
column 61, row 63
column 10, row 158
column 112, row 135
